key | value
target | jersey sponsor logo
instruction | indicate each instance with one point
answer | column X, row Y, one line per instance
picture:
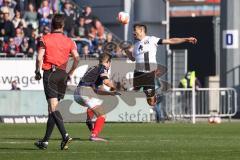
column 146, row 42
column 140, row 48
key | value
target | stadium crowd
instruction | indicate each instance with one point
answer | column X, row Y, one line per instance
column 23, row 22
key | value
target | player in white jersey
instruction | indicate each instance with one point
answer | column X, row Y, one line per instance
column 144, row 54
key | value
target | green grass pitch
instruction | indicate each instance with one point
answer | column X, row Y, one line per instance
column 127, row 141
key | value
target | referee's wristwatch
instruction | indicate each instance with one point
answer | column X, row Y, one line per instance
column 38, row 75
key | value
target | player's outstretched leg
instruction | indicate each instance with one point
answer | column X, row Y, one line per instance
column 98, row 126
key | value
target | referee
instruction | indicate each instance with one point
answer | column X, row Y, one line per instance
column 144, row 54
column 53, row 54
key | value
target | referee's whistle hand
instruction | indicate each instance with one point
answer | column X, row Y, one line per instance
column 38, row 76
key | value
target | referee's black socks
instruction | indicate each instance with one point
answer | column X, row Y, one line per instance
column 49, row 129
column 59, row 122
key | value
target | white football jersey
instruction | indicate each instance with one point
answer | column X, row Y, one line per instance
column 145, row 54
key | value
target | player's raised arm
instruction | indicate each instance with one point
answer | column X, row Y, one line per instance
column 171, row 41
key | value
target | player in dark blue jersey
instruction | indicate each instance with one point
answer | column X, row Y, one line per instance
column 86, row 93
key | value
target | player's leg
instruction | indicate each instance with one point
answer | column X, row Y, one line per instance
column 89, row 122
column 62, row 86
column 43, row 143
column 99, row 123
column 137, row 80
column 53, row 103
column 149, row 88
column 94, row 106
column 58, row 85
column 82, row 100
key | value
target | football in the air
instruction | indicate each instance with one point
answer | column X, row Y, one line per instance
column 123, row 17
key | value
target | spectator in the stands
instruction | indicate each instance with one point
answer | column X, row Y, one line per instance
column 14, row 86
column 18, row 19
column 33, row 40
column 20, row 5
column 85, row 51
column 46, row 30
column 26, row 48
column 44, row 15
column 30, row 16
column 27, row 31
column 45, row 9
column 55, row 4
column 92, row 42
column 118, row 52
column 11, row 48
column 99, row 49
column 1, row 45
column 7, row 28
column 1, row 21
column 69, row 17
column 87, row 13
column 99, row 28
column 19, row 35
column 10, row 5
column 109, row 37
column 79, row 29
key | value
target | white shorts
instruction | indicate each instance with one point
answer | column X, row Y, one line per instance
column 86, row 101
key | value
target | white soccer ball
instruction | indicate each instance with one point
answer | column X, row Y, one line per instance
column 123, row 17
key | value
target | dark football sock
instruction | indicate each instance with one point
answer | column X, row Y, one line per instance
column 90, row 115
column 49, row 129
column 59, row 122
column 89, row 124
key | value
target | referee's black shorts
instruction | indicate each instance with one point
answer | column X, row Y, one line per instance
column 145, row 80
column 55, row 83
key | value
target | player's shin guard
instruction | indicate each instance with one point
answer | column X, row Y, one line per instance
column 89, row 122
column 49, row 129
column 98, row 126
column 59, row 122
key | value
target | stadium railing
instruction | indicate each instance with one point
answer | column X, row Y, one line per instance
column 200, row 103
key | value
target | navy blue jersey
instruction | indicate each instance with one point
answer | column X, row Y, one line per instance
column 94, row 76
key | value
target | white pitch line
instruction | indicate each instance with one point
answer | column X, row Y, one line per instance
column 123, row 151
column 110, row 141
column 86, row 152
column 15, row 142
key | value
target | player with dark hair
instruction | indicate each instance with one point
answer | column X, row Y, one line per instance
column 144, row 53
column 86, row 94
column 53, row 55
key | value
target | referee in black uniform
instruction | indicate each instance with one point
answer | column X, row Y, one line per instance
column 53, row 54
